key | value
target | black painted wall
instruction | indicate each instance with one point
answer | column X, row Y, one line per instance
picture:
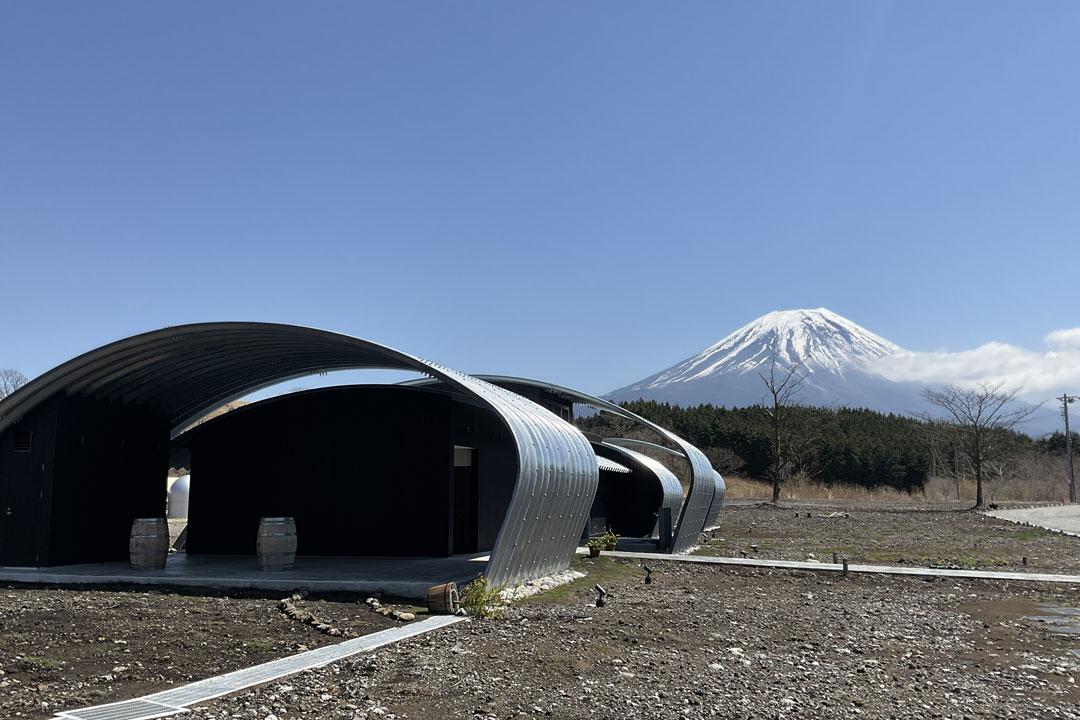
column 111, row 460
column 496, row 459
column 26, row 468
column 94, row 466
column 364, row 470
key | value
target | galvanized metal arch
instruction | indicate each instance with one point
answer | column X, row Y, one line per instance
column 669, row 484
column 633, row 442
column 189, row 370
column 718, row 499
column 696, row 507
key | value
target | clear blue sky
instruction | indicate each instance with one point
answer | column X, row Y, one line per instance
column 580, row 192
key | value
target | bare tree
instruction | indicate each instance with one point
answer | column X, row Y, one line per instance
column 782, row 384
column 724, row 460
column 942, row 442
column 10, row 381
column 983, row 419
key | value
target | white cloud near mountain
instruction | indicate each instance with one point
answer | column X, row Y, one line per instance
column 1064, row 339
column 1041, row 375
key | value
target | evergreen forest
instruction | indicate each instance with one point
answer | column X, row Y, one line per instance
column 832, row 446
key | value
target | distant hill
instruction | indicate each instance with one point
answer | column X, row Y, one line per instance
column 835, row 355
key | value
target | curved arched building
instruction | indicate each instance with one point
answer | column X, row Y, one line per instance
column 706, row 490
column 462, row 466
column 84, row 447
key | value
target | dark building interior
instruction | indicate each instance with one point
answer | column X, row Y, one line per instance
column 74, row 473
column 364, row 470
column 627, row 503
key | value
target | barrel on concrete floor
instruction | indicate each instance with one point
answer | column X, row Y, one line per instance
column 276, row 545
column 443, row 599
column 149, row 544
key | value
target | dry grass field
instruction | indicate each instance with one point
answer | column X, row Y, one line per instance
column 1046, row 485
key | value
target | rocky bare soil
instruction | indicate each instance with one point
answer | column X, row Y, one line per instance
column 707, row 642
column 700, row 641
column 63, row 648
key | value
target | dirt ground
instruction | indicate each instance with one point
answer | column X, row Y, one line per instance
column 698, row 642
column 63, row 647
column 888, row 534
column 708, row 642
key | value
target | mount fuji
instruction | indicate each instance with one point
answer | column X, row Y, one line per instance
column 833, row 353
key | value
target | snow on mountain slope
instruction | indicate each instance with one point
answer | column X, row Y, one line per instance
column 819, row 339
column 832, row 352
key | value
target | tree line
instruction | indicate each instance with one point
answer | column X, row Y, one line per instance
column 834, row 446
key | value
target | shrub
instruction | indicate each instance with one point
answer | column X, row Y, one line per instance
column 481, row 599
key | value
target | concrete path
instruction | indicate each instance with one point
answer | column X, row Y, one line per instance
column 178, row 699
column 829, row 567
column 1063, row 518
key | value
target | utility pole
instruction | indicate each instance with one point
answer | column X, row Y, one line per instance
column 1065, row 400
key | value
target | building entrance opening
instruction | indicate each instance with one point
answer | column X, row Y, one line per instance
column 364, row 470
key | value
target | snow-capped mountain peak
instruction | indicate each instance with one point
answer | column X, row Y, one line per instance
column 832, row 352
column 835, row 356
column 817, row 339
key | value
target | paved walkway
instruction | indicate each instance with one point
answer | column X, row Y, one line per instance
column 829, row 567
column 1063, row 518
column 177, row 699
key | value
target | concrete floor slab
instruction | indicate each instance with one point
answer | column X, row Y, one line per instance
column 1062, row 518
column 404, row 577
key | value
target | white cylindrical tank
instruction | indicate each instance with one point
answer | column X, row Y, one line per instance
column 178, row 497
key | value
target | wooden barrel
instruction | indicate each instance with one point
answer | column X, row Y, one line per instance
column 149, row 544
column 276, row 544
column 443, row 599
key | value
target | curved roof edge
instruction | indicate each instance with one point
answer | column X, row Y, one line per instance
column 699, row 499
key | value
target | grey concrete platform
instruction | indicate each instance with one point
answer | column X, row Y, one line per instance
column 829, row 567
column 404, row 577
column 1061, row 518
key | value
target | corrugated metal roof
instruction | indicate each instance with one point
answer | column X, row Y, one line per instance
column 718, row 499
column 703, row 486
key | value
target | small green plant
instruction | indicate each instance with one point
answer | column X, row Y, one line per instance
column 481, row 599
column 42, row 663
column 597, row 542
column 258, row 646
column 610, row 538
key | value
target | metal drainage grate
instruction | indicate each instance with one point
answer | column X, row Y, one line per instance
column 170, row 702
column 126, row 710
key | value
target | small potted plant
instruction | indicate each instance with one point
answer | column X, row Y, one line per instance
column 595, row 545
column 609, row 539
